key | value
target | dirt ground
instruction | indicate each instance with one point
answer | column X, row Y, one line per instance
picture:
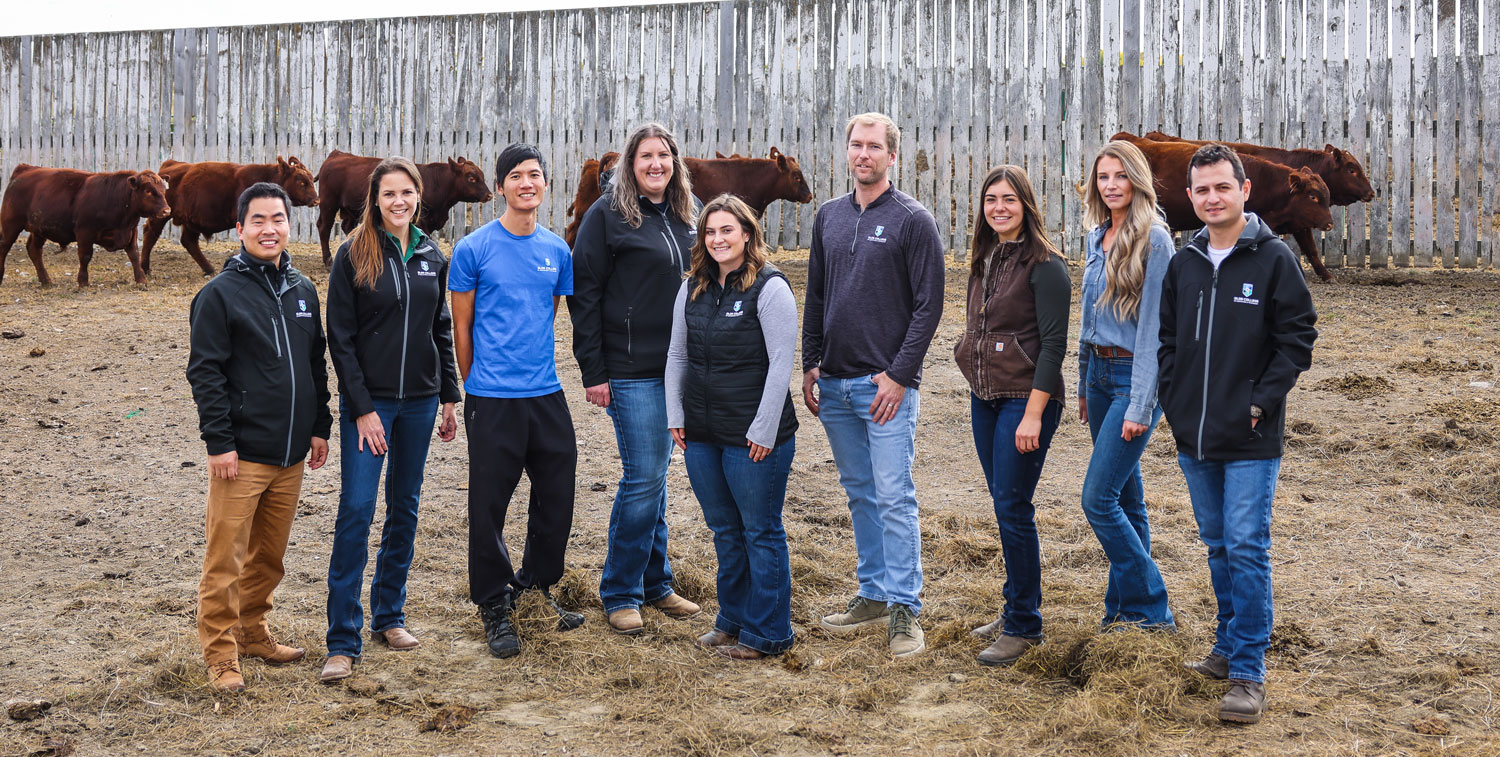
column 1386, row 566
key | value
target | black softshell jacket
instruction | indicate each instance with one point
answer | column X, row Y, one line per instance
column 256, row 365
column 396, row 340
column 1231, row 338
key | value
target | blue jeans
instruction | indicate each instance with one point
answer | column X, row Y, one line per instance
column 636, row 571
column 1115, row 502
column 874, row 465
column 742, row 502
column 408, row 432
column 1232, row 503
column 1012, row 477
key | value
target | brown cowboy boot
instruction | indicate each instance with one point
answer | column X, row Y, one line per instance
column 264, row 646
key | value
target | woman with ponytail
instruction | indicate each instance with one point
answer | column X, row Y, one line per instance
column 1128, row 252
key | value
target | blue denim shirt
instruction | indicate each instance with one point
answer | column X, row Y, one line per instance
column 1102, row 327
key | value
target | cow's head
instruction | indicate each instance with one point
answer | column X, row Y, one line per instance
column 297, row 181
column 791, row 184
column 1308, row 205
column 468, row 181
column 148, row 196
column 1348, row 182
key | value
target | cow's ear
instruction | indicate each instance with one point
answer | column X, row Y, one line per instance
column 135, row 180
column 453, row 163
column 280, row 161
column 775, row 153
column 780, row 159
column 1297, row 180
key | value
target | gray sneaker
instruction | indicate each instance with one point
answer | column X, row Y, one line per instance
column 905, row 634
column 860, row 612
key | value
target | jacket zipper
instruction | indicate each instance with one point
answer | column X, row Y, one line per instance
column 1198, row 320
column 405, row 326
column 667, row 236
column 1208, row 346
column 855, row 240
column 291, row 369
column 629, row 343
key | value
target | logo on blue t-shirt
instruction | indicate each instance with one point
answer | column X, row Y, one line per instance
column 547, row 266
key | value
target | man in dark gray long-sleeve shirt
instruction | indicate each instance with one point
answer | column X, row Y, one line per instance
column 874, row 298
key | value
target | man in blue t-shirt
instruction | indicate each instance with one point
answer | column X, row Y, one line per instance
column 506, row 279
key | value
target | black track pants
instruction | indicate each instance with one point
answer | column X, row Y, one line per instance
column 506, row 437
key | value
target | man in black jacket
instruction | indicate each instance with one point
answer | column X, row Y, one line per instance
column 261, row 385
column 1236, row 330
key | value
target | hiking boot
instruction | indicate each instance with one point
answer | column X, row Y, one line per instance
column 674, row 606
column 860, row 612
column 905, row 634
column 989, row 630
column 626, row 621
column 225, row 676
column 336, row 668
column 567, row 620
column 1245, row 702
column 739, row 652
column 1213, row 666
column 1006, row 650
column 499, row 632
column 266, row 648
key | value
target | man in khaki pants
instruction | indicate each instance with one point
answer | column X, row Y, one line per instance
column 261, row 385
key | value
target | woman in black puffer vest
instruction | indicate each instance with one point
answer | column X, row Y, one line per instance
column 729, row 366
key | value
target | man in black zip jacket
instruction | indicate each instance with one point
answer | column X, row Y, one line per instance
column 1236, row 330
column 259, row 379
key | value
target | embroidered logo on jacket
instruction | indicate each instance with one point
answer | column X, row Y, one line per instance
column 302, row 309
column 879, row 236
column 1247, row 289
column 737, row 312
column 426, row 270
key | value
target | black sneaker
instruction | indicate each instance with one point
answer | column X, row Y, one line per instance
column 499, row 632
column 567, row 620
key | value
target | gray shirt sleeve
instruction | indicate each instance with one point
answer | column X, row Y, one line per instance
column 677, row 365
column 777, row 310
column 1053, row 292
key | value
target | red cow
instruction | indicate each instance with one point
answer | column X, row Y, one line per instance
column 757, row 181
column 344, row 178
column 204, row 197
column 1289, row 200
column 1347, row 183
column 64, row 206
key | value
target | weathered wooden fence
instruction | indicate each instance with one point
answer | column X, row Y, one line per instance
column 1411, row 88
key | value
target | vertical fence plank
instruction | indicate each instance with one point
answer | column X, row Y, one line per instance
column 1403, row 110
column 1336, row 107
column 1425, row 110
column 1469, row 149
column 1445, row 143
column 1128, row 85
column 1053, row 178
column 1074, row 53
column 1378, row 88
column 1491, row 219
column 1357, row 108
column 1191, row 80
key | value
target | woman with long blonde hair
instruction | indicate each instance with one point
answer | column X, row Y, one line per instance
column 1127, row 256
column 391, row 338
column 734, row 335
column 628, row 260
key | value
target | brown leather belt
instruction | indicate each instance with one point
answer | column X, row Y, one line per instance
column 1111, row 352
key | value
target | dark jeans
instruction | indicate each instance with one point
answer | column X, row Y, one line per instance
column 1115, row 502
column 1232, row 504
column 408, row 431
column 742, row 502
column 509, row 436
column 636, row 570
column 1012, row 479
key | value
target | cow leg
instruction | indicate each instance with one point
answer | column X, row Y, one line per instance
column 7, row 240
column 190, row 243
column 326, row 216
column 34, row 244
column 1309, row 247
column 136, row 269
column 85, row 254
column 153, row 232
column 349, row 222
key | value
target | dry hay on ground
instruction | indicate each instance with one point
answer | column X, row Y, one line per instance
column 1384, row 557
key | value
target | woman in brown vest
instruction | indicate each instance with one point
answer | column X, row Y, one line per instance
column 1012, row 350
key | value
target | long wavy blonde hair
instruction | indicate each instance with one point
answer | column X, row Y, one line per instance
column 1125, row 269
column 704, row 268
column 625, row 198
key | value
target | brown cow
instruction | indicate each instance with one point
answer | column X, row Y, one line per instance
column 343, row 179
column 757, row 181
column 1347, row 183
column 204, row 197
column 1287, row 199
column 64, row 206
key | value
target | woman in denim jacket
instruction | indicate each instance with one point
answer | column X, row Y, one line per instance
column 1128, row 251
